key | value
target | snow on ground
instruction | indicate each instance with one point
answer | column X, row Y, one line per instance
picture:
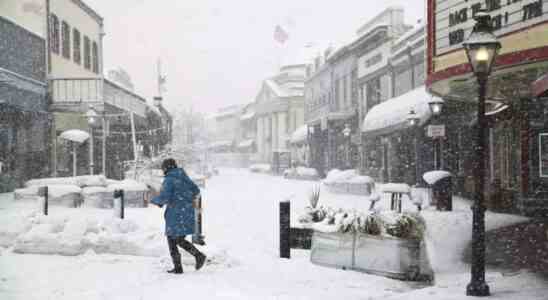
column 127, row 259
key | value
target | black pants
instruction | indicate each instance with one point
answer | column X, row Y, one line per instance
column 174, row 241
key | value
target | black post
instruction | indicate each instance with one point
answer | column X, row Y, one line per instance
column 44, row 193
column 477, row 285
column 416, row 146
column 284, row 229
column 120, row 194
column 197, row 237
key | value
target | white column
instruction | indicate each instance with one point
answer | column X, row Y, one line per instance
column 260, row 137
column 282, row 130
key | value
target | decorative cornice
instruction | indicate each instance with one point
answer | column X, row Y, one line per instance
column 92, row 13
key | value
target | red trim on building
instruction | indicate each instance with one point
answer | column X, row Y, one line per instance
column 515, row 58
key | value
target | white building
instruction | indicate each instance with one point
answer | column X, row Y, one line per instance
column 279, row 110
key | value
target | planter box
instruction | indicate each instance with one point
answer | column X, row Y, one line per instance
column 300, row 238
column 381, row 255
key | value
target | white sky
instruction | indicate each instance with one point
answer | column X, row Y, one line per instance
column 216, row 52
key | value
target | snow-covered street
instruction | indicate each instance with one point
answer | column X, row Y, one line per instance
column 241, row 228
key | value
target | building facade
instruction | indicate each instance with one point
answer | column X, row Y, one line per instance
column 77, row 83
column 279, row 112
column 516, row 97
column 24, row 120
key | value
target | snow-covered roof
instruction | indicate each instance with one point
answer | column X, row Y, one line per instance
column 276, row 88
column 392, row 114
column 248, row 115
column 155, row 109
column 75, row 135
column 246, row 143
column 299, row 135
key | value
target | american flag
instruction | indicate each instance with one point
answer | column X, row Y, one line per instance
column 280, row 35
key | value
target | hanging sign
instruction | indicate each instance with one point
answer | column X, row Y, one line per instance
column 435, row 131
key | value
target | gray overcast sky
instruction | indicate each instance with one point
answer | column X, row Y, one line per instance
column 216, row 52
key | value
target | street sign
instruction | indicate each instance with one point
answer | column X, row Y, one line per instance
column 436, row 131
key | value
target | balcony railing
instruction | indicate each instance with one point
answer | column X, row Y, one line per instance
column 76, row 91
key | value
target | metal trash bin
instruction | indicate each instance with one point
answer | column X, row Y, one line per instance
column 441, row 183
column 442, row 192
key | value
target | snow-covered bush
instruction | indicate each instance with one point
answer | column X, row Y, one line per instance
column 404, row 226
column 407, row 226
column 260, row 168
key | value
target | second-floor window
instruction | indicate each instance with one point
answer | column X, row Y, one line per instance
column 95, row 57
column 77, row 49
column 373, row 94
column 54, row 34
column 65, row 29
column 87, row 53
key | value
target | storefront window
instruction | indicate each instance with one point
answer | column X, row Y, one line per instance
column 543, row 154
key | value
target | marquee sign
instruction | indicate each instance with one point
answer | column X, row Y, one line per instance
column 520, row 25
column 455, row 18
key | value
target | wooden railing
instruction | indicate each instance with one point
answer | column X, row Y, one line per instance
column 96, row 90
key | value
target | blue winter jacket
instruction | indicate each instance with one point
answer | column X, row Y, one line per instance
column 178, row 192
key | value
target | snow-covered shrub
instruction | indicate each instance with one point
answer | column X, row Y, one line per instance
column 407, row 226
column 368, row 223
column 260, row 168
column 314, row 196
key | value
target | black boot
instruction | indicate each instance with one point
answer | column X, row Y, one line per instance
column 200, row 260
column 199, row 256
column 178, row 269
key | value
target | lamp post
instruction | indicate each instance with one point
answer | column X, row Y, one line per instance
column 92, row 117
column 346, row 132
column 481, row 49
column 436, row 106
column 414, row 121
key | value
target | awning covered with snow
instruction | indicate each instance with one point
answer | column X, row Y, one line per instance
column 391, row 115
column 246, row 143
column 299, row 136
column 75, row 135
column 220, row 144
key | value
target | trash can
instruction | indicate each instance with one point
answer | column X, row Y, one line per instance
column 441, row 183
column 442, row 191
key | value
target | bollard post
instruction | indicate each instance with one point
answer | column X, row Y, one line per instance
column 120, row 194
column 197, row 237
column 43, row 191
column 285, row 250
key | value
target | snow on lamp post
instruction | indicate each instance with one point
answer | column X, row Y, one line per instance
column 92, row 117
column 414, row 121
column 481, row 49
column 346, row 132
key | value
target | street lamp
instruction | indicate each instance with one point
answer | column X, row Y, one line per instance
column 414, row 121
column 436, row 106
column 157, row 101
column 93, row 120
column 346, row 132
column 92, row 117
column 481, row 48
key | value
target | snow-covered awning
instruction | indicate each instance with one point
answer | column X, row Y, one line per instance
column 75, row 135
column 246, row 143
column 220, row 144
column 391, row 115
column 299, row 135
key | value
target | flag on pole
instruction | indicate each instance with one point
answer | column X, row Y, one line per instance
column 280, row 35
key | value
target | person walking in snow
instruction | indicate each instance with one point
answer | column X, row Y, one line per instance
column 178, row 193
